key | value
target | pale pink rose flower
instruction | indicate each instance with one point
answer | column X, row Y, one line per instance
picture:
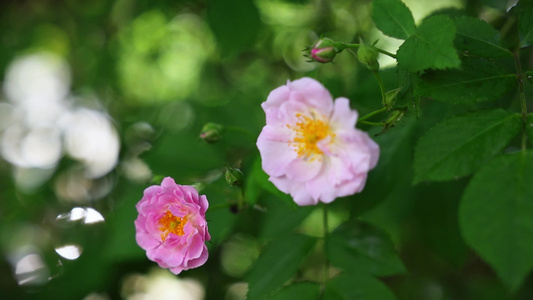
column 310, row 147
column 171, row 226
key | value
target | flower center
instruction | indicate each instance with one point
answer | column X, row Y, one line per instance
column 171, row 224
column 308, row 132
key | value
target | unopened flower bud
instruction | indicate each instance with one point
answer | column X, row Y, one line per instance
column 234, row 176
column 368, row 55
column 211, row 132
column 325, row 50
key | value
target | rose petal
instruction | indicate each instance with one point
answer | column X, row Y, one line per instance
column 353, row 186
column 346, row 153
column 276, row 154
column 301, row 195
column 276, row 97
column 290, row 113
column 146, row 241
column 204, row 204
column 196, row 246
column 313, row 93
column 176, row 270
column 194, row 263
column 321, row 190
column 373, row 149
column 282, row 183
column 343, row 116
column 176, row 251
column 301, row 170
column 168, row 182
column 337, row 171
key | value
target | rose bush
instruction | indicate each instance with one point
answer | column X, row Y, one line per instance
column 310, row 147
column 171, row 226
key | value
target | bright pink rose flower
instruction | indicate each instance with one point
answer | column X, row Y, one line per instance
column 310, row 147
column 171, row 226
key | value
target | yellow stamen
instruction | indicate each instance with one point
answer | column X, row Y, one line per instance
column 309, row 130
column 171, row 224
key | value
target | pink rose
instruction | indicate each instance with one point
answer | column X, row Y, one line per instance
column 171, row 226
column 310, row 147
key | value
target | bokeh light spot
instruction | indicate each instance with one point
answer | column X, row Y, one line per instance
column 70, row 252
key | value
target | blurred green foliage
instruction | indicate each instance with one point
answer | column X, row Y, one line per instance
column 162, row 69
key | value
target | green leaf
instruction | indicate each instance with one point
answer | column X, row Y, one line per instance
column 395, row 157
column 393, row 18
column 235, row 25
column 525, row 22
column 495, row 216
column 497, row 4
column 436, row 209
column 278, row 263
column 221, row 222
column 281, row 218
column 478, row 80
column 396, row 210
column 431, row 47
column 362, row 247
column 407, row 83
column 350, row 286
column 252, row 188
column 459, row 145
column 300, row 290
column 479, row 38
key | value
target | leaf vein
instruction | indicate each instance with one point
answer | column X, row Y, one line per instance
column 486, row 42
column 466, row 82
column 396, row 21
column 466, row 142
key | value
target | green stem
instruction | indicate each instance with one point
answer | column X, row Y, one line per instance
column 385, row 52
column 383, row 102
column 506, row 28
column 523, row 103
column 326, row 261
column 351, row 45
column 241, row 199
column 377, row 49
column 372, row 123
column 371, row 114
column 381, row 89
